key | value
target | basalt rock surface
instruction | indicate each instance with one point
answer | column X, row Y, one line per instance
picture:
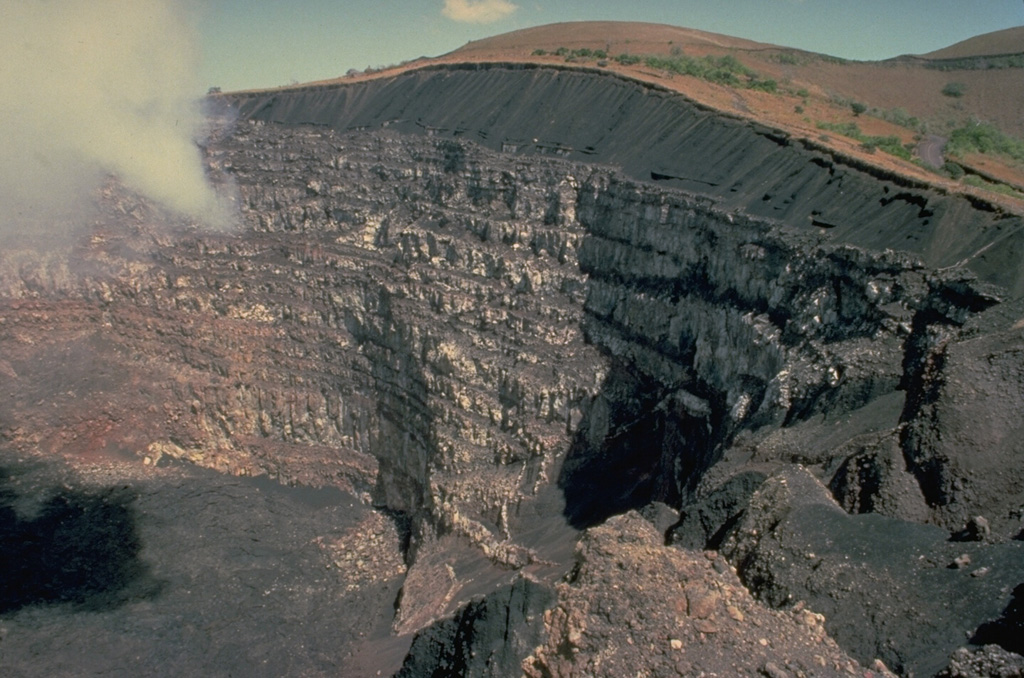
column 502, row 333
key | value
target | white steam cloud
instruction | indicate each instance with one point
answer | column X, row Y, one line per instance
column 478, row 11
column 90, row 88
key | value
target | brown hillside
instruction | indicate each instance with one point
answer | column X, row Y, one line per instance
column 992, row 95
column 811, row 90
column 1008, row 41
column 615, row 37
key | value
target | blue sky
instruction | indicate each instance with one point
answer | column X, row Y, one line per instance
column 264, row 43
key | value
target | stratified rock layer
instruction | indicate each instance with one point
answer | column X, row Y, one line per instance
column 497, row 349
column 656, row 135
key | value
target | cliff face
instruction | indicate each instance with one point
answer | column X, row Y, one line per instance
column 658, row 136
column 497, row 350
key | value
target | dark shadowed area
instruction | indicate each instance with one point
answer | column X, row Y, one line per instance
column 78, row 547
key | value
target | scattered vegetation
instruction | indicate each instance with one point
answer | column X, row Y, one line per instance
column 805, row 58
column 789, row 59
column 953, row 170
column 975, row 137
column 898, row 116
column 1002, row 189
column 838, row 100
column 981, row 137
column 954, row 89
column 582, row 53
column 847, row 129
column 839, row 61
column 890, row 144
column 768, row 85
column 985, row 63
column 726, row 70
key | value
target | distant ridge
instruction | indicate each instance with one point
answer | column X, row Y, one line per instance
column 636, row 37
column 804, row 94
column 615, row 36
column 1007, row 41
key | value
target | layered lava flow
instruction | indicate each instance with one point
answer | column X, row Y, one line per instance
column 518, row 370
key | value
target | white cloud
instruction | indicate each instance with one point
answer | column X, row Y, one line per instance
column 478, row 11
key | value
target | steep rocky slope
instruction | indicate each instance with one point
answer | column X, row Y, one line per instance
column 499, row 325
column 652, row 134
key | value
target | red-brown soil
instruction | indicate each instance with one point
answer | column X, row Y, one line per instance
column 812, row 88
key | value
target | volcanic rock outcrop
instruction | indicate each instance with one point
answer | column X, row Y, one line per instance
column 611, row 375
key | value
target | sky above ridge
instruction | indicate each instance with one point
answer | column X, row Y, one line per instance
column 266, row 43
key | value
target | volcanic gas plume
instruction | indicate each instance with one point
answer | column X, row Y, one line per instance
column 93, row 88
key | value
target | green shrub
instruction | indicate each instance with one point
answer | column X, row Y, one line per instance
column 899, row 116
column 954, row 170
column 725, row 70
column 583, row 53
column 1003, row 189
column 858, row 108
column 764, row 85
column 980, row 137
column 890, row 144
column 954, row 89
column 539, row 52
column 847, row 129
column 722, row 76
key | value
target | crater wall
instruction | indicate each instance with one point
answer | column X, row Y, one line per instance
column 505, row 305
column 652, row 134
